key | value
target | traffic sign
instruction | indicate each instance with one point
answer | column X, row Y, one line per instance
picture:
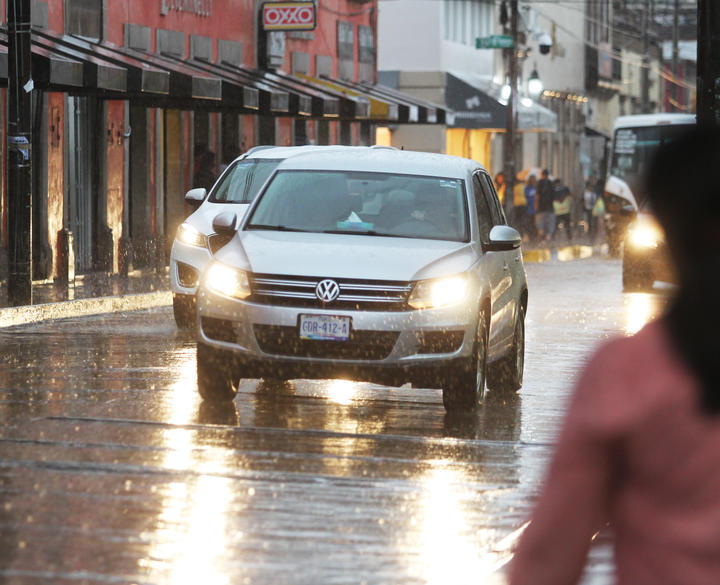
column 494, row 42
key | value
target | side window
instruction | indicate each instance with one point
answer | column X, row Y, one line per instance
column 484, row 215
column 498, row 216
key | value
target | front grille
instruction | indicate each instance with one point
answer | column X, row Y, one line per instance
column 187, row 275
column 362, row 345
column 218, row 329
column 299, row 291
column 440, row 341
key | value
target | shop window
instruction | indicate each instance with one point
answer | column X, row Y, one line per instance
column 84, row 18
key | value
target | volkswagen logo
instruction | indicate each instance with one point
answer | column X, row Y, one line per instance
column 327, row 290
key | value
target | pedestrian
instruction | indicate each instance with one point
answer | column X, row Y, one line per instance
column 545, row 215
column 205, row 172
column 530, row 196
column 589, row 199
column 519, row 210
column 562, row 206
column 598, row 213
column 640, row 445
column 500, row 188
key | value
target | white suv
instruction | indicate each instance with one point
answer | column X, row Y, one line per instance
column 371, row 264
column 196, row 242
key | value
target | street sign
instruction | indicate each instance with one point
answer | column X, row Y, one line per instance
column 288, row 15
column 494, row 42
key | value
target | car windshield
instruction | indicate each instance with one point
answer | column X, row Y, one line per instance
column 243, row 181
column 378, row 204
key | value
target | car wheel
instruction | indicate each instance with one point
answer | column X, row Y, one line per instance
column 636, row 276
column 464, row 388
column 506, row 376
column 184, row 311
column 217, row 374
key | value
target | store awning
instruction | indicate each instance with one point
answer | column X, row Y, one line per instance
column 141, row 78
column 409, row 108
column 322, row 104
column 352, row 107
column 49, row 70
column 477, row 103
column 381, row 110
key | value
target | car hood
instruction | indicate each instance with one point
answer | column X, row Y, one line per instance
column 346, row 256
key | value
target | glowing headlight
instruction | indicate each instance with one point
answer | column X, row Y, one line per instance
column 645, row 234
column 191, row 236
column 227, row 281
column 438, row 293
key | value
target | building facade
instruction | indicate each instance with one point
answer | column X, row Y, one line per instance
column 128, row 96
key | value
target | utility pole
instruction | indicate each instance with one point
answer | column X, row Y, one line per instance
column 708, row 82
column 675, row 88
column 645, row 73
column 19, row 164
column 511, row 121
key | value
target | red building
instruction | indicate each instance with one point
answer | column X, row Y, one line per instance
column 128, row 94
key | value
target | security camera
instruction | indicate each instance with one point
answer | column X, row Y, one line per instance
column 545, row 42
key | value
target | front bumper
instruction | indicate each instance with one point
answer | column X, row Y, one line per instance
column 390, row 347
column 187, row 263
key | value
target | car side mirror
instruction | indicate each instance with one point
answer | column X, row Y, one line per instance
column 225, row 223
column 503, row 238
column 196, row 196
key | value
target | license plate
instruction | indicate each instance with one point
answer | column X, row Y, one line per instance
column 325, row 327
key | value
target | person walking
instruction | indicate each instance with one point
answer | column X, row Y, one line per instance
column 640, row 446
column 562, row 207
column 545, row 215
column 589, row 199
column 520, row 207
column 500, row 188
column 530, row 196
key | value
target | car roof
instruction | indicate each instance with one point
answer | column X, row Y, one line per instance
column 383, row 160
column 281, row 152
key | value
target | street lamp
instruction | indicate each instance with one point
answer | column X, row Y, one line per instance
column 535, row 86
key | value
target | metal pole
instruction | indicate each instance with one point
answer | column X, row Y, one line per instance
column 708, row 82
column 645, row 73
column 510, row 129
column 19, row 164
column 674, row 88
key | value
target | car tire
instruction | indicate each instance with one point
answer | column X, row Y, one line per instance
column 636, row 276
column 184, row 311
column 506, row 376
column 217, row 374
column 464, row 388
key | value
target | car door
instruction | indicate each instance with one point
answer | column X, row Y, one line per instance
column 491, row 265
column 509, row 267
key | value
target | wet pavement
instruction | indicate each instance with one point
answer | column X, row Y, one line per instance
column 113, row 471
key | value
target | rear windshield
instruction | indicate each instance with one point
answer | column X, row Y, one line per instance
column 379, row 204
column 243, row 181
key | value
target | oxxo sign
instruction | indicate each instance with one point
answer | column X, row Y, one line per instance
column 288, row 15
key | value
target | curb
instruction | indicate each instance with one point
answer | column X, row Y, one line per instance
column 83, row 307
column 563, row 253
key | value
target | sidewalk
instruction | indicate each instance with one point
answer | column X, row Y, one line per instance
column 97, row 293
column 89, row 294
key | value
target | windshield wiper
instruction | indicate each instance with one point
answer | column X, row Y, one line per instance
column 366, row 233
column 279, row 228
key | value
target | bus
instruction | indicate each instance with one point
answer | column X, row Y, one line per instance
column 629, row 222
column 634, row 140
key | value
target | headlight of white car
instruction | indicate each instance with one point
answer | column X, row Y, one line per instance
column 227, row 281
column 439, row 292
column 191, row 236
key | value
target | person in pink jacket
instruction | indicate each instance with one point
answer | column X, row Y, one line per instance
column 640, row 447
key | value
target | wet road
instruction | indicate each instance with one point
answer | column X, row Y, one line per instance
column 112, row 471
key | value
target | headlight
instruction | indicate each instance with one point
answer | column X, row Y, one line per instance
column 645, row 233
column 438, row 292
column 227, row 281
column 191, row 236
